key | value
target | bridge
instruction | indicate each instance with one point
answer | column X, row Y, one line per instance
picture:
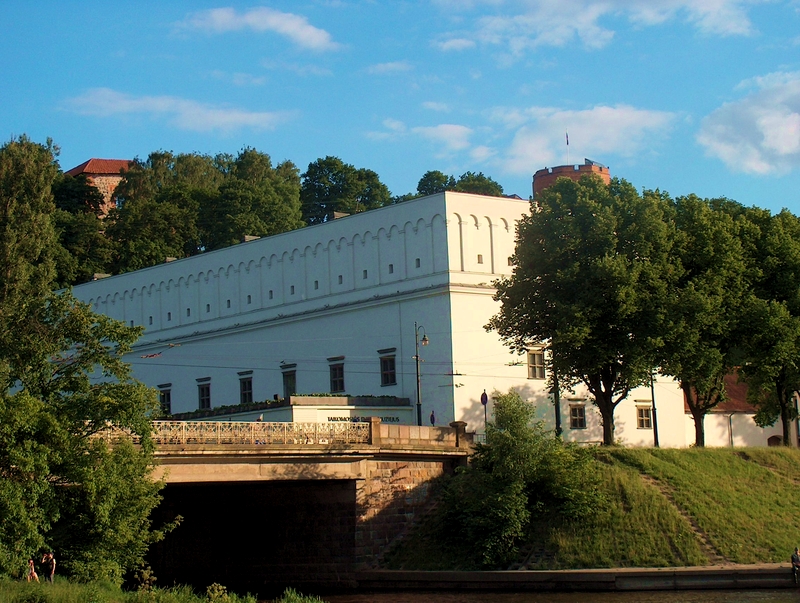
column 267, row 505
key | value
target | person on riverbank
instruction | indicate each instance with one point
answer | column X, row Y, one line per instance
column 795, row 563
column 48, row 567
column 32, row 575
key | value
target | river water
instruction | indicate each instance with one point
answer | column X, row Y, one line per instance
column 693, row 596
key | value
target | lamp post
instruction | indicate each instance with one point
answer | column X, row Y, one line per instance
column 485, row 403
column 417, row 342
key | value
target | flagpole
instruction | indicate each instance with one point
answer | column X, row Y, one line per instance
column 567, row 135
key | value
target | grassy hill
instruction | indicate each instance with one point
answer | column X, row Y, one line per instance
column 664, row 508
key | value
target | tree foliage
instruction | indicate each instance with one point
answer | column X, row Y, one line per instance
column 705, row 313
column 331, row 186
column 62, row 382
column 520, row 471
column 594, row 267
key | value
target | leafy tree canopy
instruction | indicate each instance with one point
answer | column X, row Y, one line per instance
column 594, row 266
column 331, row 186
column 470, row 182
column 62, row 381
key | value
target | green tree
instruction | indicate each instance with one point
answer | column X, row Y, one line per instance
column 705, row 314
column 329, row 186
column 470, row 182
column 62, row 382
column 433, row 182
column 520, row 471
column 771, row 366
column 77, row 195
column 593, row 270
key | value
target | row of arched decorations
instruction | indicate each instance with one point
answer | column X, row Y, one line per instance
column 273, row 277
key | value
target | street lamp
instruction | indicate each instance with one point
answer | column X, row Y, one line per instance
column 417, row 342
column 485, row 403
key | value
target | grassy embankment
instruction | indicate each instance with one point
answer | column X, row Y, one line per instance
column 65, row 592
column 665, row 508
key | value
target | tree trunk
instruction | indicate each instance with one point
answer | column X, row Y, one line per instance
column 698, row 415
column 605, row 403
column 784, row 402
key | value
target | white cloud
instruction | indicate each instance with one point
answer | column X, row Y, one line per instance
column 240, row 79
column 454, row 137
column 456, row 44
column 539, row 139
column 295, row 27
column 393, row 67
column 184, row 114
column 302, row 70
column 433, row 106
column 759, row 134
column 522, row 25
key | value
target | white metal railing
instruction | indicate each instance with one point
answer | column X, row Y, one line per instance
column 256, row 432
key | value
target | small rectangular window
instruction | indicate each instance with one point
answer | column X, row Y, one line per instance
column 365, row 274
column 208, row 308
column 316, row 284
column 291, row 290
column 289, row 384
column 270, row 293
column 150, row 320
column 577, row 416
column 337, row 378
column 644, row 419
column 340, row 279
column 480, row 259
column 388, row 370
column 246, row 390
column 536, row 365
column 391, row 268
column 249, row 299
column 229, row 303
column 169, row 316
column 165, row 399
column 204, row 396
column 188, row 311
column 418, row 263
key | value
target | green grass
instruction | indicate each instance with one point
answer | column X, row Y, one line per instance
column 745, row 501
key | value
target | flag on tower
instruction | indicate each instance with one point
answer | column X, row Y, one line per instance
column 567, row 135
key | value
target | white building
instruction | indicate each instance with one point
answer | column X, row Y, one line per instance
column 332, row 308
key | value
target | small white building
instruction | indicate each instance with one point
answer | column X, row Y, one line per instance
column 338, row 308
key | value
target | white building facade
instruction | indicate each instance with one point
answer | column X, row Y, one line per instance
column 332, row 309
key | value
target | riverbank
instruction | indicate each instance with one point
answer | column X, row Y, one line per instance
column 757, row 576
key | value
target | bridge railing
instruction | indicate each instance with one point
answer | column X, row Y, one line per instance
column 255, row 432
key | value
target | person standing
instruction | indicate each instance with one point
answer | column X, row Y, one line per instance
column 48, row 567
column 795, row 564
column 433, row 419
column 32, row 575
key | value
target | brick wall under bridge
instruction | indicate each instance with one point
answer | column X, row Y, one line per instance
column 262, row 516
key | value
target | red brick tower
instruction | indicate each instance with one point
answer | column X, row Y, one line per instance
column 548, row 176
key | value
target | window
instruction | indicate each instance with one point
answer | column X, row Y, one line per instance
column 418, row 263
column 365, row 274
column 577, row 416
column 388, row 370
column 229, row 303
column 208, row 308
column 131, row 323
column 203, row 395
column 644, row 419
column 291, row 290
column 150, row 320
column 188, row 311
column 480, row 259
column 391, row 268
column 340, row 279
column 289, row 383
column 270, row 293
column 165, row 400
column 249, row 299
column 536, row 365
column 316, row 284
column 337, row 378
column 246, row 390
column 169, row 316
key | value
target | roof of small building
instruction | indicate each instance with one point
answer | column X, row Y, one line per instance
column 100, row 167
column 737, row 397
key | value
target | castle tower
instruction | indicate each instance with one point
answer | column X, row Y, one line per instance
column 547, row 177
column 103, row 174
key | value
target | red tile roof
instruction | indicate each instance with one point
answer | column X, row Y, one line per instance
column 100, row 166
column 737, row 398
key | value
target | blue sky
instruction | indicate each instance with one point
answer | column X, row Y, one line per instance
column 689, row 96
